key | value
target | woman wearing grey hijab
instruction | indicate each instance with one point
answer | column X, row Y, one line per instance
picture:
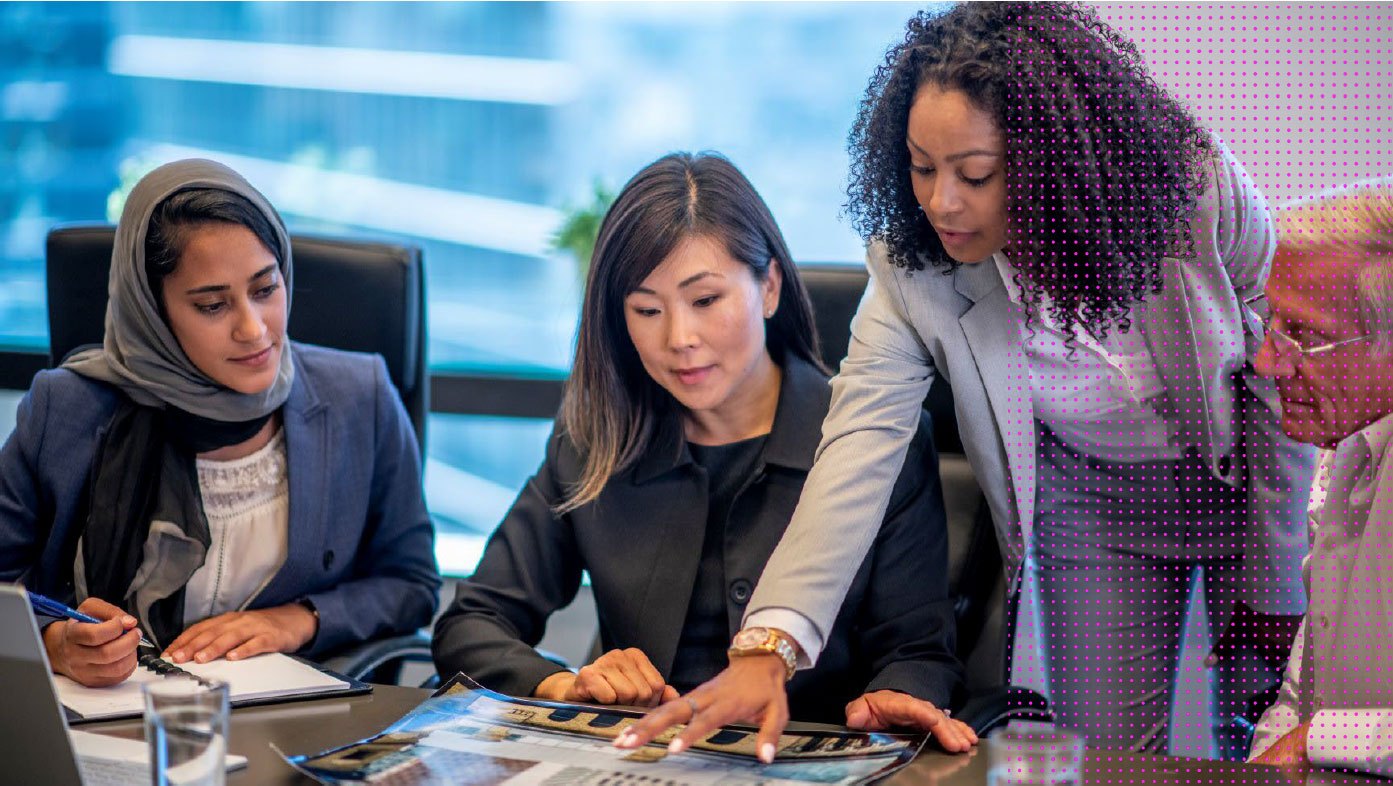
column 201, row 478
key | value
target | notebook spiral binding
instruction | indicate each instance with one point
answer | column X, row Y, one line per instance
column 149, row 658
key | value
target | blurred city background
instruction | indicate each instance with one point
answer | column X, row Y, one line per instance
column 474, row 129
column 469, row 129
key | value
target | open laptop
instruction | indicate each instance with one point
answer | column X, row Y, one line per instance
column 32, row 724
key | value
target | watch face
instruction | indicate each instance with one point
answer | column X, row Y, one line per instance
column 751, row 637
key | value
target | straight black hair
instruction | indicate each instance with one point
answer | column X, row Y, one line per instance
column 612, row 406
column 184, row 210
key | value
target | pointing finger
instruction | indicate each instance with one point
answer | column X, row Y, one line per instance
column 775, row 719
column 653, row 724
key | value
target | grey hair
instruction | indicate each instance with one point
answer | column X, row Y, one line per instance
column 1358, row 219
column 1376, row 302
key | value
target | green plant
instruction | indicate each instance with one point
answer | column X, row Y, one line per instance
column 131, row 169
column 581, row 227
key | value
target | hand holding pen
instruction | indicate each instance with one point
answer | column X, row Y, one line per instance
column 95, row 645
column 51, row 607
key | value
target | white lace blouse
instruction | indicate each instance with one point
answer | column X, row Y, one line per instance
column 247, row 502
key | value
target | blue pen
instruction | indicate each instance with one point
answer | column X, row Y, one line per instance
column 53, row 608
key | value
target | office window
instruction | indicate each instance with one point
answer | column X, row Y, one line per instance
column 466, row 128
column 476, row 467
column 9, row 402
column 471, row 128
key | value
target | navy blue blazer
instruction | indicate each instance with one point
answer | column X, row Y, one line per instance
column 361, row 545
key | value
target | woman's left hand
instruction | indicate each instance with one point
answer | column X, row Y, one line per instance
column 886, row 709
column 242, row 634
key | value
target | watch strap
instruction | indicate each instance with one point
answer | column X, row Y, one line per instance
column 775, row 643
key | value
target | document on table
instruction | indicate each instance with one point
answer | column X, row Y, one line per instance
column 467, row 734
column 269, row 677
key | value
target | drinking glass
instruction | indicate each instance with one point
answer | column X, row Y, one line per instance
column 1034, row 755
column 186, row 726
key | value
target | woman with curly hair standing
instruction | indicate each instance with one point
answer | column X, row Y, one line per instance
column 1066, row 245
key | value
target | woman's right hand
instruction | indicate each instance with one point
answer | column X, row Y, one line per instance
column 617, row 677
column 750, row 690
column 94, row 654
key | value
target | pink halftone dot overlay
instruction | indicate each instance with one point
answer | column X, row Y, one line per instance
column 1302, row 95
column 1301, row 92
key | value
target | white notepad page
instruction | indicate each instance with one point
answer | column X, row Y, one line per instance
column 260, row 677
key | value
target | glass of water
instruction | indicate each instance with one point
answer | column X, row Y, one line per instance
column 1034, row 755
column 186, row 726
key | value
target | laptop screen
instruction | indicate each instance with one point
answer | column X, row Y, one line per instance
column 33, row 719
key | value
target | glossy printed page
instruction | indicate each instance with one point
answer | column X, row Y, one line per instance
column 467, row 734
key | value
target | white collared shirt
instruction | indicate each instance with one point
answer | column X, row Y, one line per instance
column 1104, row 402
column 1320, row 488
column 1353, row 528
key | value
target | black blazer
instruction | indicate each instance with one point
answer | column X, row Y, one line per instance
column 641, row 542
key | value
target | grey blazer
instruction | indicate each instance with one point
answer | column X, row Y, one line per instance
column 964, row 326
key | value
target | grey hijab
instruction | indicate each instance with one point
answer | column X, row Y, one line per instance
column 140, row 355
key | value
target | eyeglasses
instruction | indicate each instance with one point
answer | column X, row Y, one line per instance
column 1288, row 346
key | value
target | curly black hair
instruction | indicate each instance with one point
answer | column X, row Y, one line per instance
column 1104, row 169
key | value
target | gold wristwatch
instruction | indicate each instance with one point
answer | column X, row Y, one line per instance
column 758, row 641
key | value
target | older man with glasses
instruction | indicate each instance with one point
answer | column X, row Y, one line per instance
column 1328, row 344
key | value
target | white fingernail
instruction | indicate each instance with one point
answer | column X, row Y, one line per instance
column 676, row 746
column 766, row 753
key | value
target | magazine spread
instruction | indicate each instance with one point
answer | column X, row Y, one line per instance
column 466, row 734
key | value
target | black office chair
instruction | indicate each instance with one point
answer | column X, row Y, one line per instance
column 348, row 294
column 976, row 579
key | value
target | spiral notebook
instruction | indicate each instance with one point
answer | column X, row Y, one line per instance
column 262, row 679
column 32, row 730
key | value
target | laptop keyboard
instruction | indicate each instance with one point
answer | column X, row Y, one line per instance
column 113, row 772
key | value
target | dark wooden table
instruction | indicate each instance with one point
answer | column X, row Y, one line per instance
column 295, row 727
column 312, row 726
